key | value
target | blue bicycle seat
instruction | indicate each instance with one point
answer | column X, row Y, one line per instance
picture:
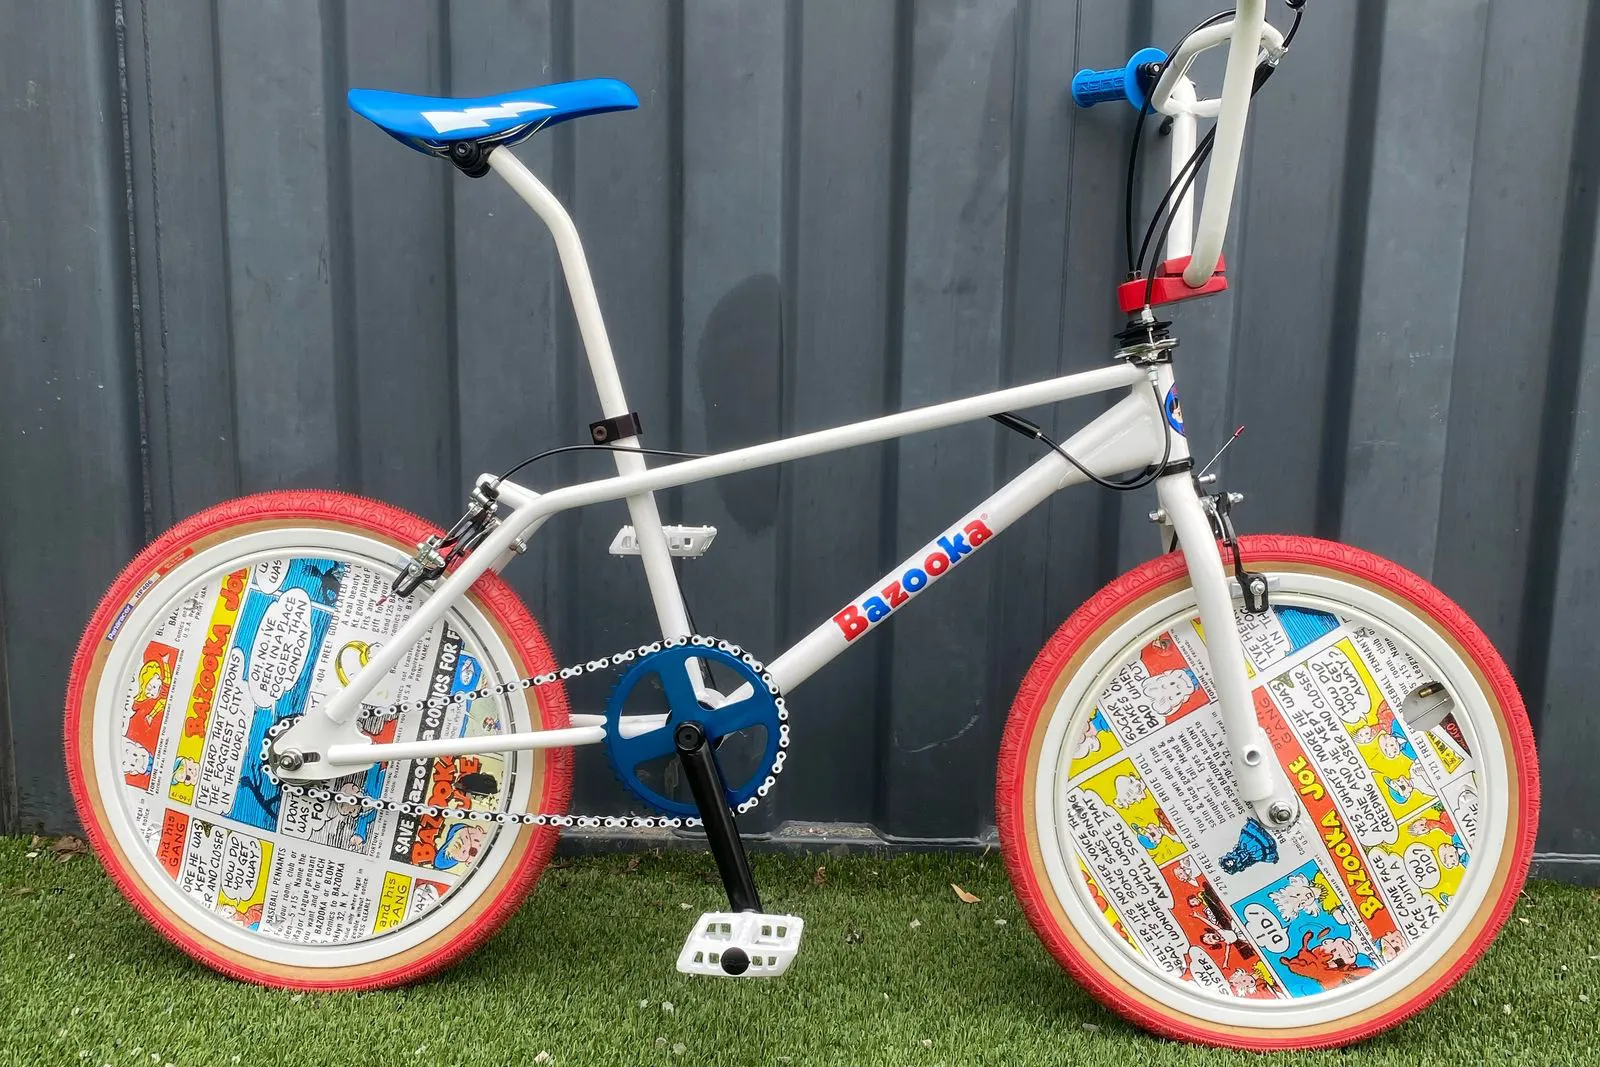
column 431, row 124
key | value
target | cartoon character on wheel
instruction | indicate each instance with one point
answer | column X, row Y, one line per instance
column 462, row 843
column 1331, row 962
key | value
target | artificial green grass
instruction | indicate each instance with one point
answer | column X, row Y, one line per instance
column 585, row 973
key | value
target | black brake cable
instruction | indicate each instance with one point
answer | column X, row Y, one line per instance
column 1127, row 198
column 1299, row 9
column 1176, row 190
column 1190, row 171
column 1028, row 428
column 1138, row 136
column 1186, row 177
column 602, row 448
column 1190, row 167
column 1201, row 153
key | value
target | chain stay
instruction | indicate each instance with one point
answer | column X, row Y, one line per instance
column 376, row 717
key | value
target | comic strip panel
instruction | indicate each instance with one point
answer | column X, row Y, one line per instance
column 1107, row 911
column 1186, row 874
column 252, row 648
column 1165, row 907
column 1307, row 934
column 1220, row 956
column 146, row 715
column 210, row 655
column 405, row 898
column 1189, row 770
column 286, row 615
column 1276, row 634
column 1167, row 681
column 1097, row 742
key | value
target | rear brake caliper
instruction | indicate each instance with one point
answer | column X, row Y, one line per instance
column 436, row 554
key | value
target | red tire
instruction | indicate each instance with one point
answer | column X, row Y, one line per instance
column 1097, row 953
column 518, row 856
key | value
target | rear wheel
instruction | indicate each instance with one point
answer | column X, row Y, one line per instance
column 242, row 617
column 1148, row 880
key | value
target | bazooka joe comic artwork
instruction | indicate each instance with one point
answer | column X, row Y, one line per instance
column 243, row 653
column 1190, row 880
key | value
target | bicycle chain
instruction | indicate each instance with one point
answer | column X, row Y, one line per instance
column 376, row 717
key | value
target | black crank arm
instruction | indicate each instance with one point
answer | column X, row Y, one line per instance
column 722, row 828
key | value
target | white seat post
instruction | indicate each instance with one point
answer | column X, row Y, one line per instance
column 652, row 540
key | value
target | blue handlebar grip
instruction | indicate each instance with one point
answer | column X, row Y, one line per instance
column 1091, row 87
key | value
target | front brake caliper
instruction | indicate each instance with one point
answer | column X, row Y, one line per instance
column 1252, row 586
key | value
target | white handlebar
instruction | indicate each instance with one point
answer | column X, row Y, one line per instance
column 1245, row 35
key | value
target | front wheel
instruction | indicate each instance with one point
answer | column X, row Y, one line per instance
column 1148, row 880
column 240, row 618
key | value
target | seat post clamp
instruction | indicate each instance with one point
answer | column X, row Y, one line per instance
column 470, row 157
column 606, row 431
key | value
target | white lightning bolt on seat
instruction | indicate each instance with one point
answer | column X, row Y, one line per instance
column 477, row 118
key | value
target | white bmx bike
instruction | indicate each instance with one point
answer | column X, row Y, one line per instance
column 1263, row 791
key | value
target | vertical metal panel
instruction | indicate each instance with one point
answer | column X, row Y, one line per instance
column 958, row 174
column 70, row 477
column 840, row 259
column 1293, row 223
column 1411, row 257
column 398, row 221
column 736, row 60
column 1040, row 219
column 1527, row 126
column 8, row 770
column 628, row 171
column 1565, row 578
column 1569, row 733
column 180, row 213
column 1083, row 538
column 215, row 281
column 282, row 219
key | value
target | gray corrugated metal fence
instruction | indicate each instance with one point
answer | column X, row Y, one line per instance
column 215, row 280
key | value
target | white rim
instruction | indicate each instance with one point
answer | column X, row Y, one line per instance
column 154, row 603
column 1357, row 603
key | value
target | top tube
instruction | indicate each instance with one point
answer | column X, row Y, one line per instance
column 900, row 424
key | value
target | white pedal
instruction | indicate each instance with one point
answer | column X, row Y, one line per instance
column 681, row 540
column 744, row 944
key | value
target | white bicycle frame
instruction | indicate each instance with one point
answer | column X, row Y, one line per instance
column 1134, row 434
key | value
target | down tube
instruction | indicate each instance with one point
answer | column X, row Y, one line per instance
column 1125, row 437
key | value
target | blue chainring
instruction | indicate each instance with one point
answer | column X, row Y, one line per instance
column 671, row 666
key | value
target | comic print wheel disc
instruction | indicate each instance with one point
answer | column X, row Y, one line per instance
column 240, row 618
column 1147, row 879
